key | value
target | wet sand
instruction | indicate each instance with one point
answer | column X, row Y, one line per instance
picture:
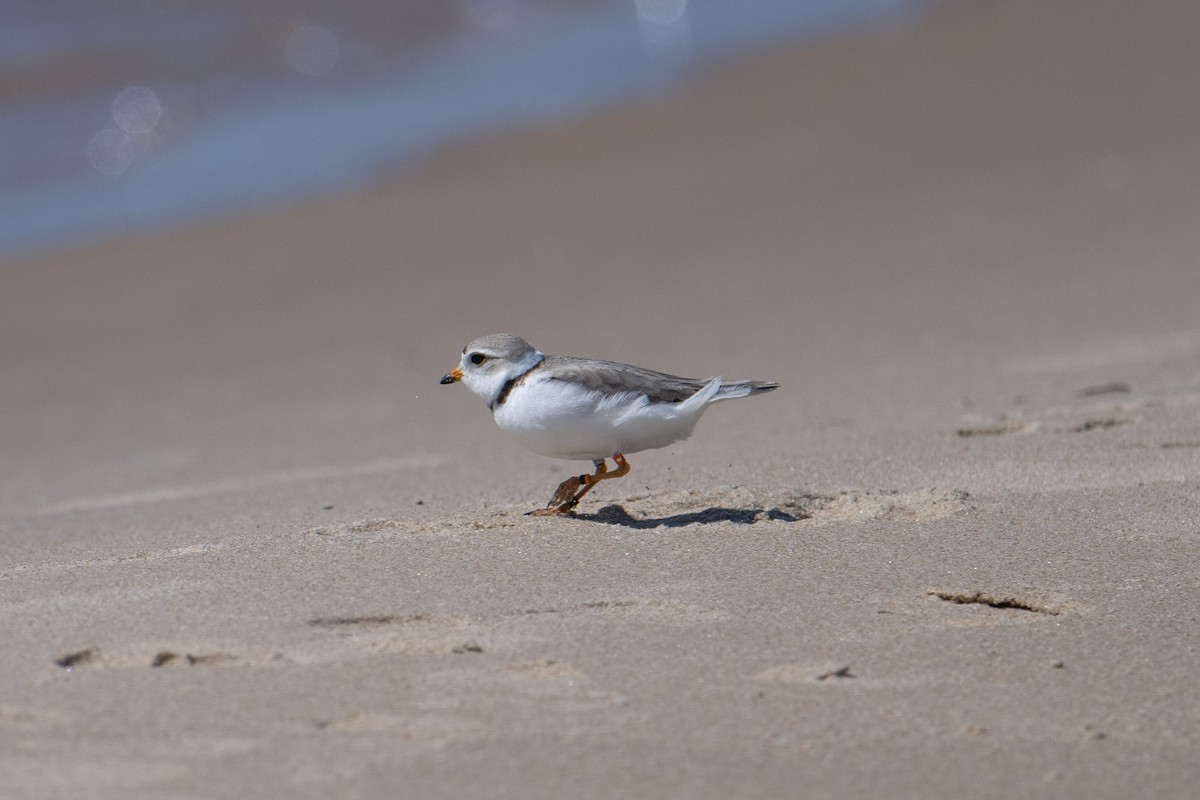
column 252, row 548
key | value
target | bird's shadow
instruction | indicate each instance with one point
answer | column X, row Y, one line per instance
column 617, row 515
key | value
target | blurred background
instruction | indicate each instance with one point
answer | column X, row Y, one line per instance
column 123, row 116
column 241, row 239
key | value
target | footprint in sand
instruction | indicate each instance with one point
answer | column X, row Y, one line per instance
column 407, row 633
column 158, row 656
column 1092, row 409
column 1023, row 600
column 1072, row 424
column 828, row 673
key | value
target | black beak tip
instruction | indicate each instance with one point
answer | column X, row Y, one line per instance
column 447, row 378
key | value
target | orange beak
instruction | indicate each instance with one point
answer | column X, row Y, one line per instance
column 453, row 376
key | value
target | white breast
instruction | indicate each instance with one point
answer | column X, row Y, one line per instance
column 560, row 419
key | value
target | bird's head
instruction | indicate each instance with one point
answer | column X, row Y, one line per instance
column 489, row 362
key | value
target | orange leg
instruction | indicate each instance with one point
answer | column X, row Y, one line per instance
column 569, row 492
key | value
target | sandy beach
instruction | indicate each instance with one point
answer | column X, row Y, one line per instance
column 253, row 549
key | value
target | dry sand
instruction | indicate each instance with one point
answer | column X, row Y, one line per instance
column 252, row 549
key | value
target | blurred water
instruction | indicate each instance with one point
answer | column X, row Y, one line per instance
column 123, row 116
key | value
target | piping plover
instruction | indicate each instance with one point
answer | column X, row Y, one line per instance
column 582, row 408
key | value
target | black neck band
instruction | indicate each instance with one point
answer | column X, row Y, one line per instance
column 509, row 385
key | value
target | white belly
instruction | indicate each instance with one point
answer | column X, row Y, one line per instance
column 565, row 420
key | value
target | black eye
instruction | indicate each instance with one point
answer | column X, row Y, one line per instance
column 478, row 358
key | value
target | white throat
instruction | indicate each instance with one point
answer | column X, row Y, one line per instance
column 492, row 384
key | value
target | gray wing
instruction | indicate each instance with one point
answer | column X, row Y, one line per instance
column 609, row 376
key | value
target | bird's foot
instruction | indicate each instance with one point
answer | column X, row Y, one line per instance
column 566, row 497
column 567, row 491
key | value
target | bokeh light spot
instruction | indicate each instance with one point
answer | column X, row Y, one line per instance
column 661, row 12
column 111, row 151
column 136, row 109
